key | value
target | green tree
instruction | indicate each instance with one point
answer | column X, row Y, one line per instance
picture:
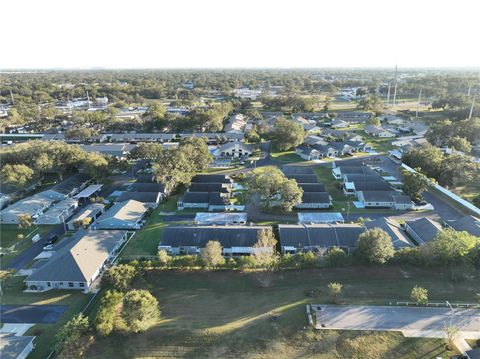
column 264, row 252
column 451, row 247
column 17, row 175
column 119, row 277
column 106, row 315
column 147, row 151
column 335, row 291
column 212, row 254
column 163, row 257
column 69, row 337
column 287, row 134
column 415, row 183
column 269, row 187
column 336, row 257
column 419, row 295
column 96, row 165
column 460, row 144
column 81, row 134
column 371, row 103
column 140, row 310
column 428, row 158
column 375, row 246
column 24, row 220
column 458, row 168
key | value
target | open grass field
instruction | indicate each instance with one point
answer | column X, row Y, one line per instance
column 12, row 246
column 45, row 333
column 226, row 315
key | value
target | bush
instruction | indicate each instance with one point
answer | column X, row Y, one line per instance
column 119, row 277
column 336, row 257
column 140, row 310
column 186, row 261
column 409, row 256
column 419, row 295
column 105, row 318
column 163, row 258
column 335, row 291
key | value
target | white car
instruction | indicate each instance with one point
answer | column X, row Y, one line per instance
column 48, row 247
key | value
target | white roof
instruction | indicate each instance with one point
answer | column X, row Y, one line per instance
column 87, row 192
column 318, row 217
column 220, row 217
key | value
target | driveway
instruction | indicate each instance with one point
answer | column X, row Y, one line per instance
column 35, row 314
column 412, row 321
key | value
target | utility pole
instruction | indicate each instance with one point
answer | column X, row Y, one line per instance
column 11, row 96
column 469, row 90
column 471, row 108
column 88, row 100
column 395, row 90
column 418, row 103
column 388, row 94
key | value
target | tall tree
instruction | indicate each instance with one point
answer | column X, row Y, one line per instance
column 269, row 187
column 415, row 183
column 119, row 277
column 287, row 134
column 17, row 175
column 452, row 247
column 212, row 254
column 140, row 310
column 375, row 246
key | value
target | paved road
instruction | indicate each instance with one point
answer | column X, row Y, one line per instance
column 34, row 314
column 425, row 321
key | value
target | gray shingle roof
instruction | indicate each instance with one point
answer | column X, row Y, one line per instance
column 303, row 178
column 425, row 228
column 79, row 260
column 147, row 187
column 144, row 197
column 468, row 224
column 319, row 235
column 393, row 229
column 297, row 170
column 70, row 183
column 315, row 197
column 378, row 196
column 207, row 187
column 211, row 179
column 198, row 236
column 372, row 186
column 312, row 187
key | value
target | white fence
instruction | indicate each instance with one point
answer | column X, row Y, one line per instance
column 450, row 194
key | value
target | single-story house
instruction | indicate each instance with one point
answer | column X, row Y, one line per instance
column 119, row 150
column 318, row 237
column 79, row 263
column 315, row 140
column 353, row 117
column 235, row 240
column 92, row 211
column 303, row 178
column 88, row 192
column 141, row 137
column 15, row 346
column 34, row 206
column 123, row 215
column 59, row 212
column 337, row 123
column 307, row 153
column 384, row 199
column 213, row 201
column 215, row 137
column 341, row 148
column 151, row 199
column 312, row 187
column 234, row 149
column 221, row 218
column 423, row 230
column 315, row 200
column 378, row 131
column 72, row 185
column 339, row 171
column 297, row 170
column 226, row 180
column 209, row 187
column 393, row 229
column 352, row 188
column 319, row 217
column 148, row 187
column 350, row 178
column 468, row 224
column 326, row 150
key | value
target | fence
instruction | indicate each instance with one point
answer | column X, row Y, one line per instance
column 436, row 304
column 450, row 195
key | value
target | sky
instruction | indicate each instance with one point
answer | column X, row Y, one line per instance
column 239, row 34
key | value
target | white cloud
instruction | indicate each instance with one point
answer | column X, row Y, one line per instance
column 248, row 33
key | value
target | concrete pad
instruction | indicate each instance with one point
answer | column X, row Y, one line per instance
column 419, row 320
column 17, row 328
column 32, row 313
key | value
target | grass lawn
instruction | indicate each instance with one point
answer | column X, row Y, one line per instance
column 287, row 156
column 226, row 315
column 9, row 242
column 45, row 333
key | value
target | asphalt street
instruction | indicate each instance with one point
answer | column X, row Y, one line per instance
column 34, row 314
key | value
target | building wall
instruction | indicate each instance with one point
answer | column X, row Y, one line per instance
column 43, row 286
column 379, row 204
column 313, row 205
column 182, row 205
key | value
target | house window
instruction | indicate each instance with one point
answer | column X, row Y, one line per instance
column 81, row 284
column 49, row 284
column 70, row 284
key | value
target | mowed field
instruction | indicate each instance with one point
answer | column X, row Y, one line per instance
column 226, row 315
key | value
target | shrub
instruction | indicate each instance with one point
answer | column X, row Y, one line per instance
column 419, row 295
column 336, row 257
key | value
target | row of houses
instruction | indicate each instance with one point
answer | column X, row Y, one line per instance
column 314, row 194
column 371, row 190
column 48, row 207
column 210, row 192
